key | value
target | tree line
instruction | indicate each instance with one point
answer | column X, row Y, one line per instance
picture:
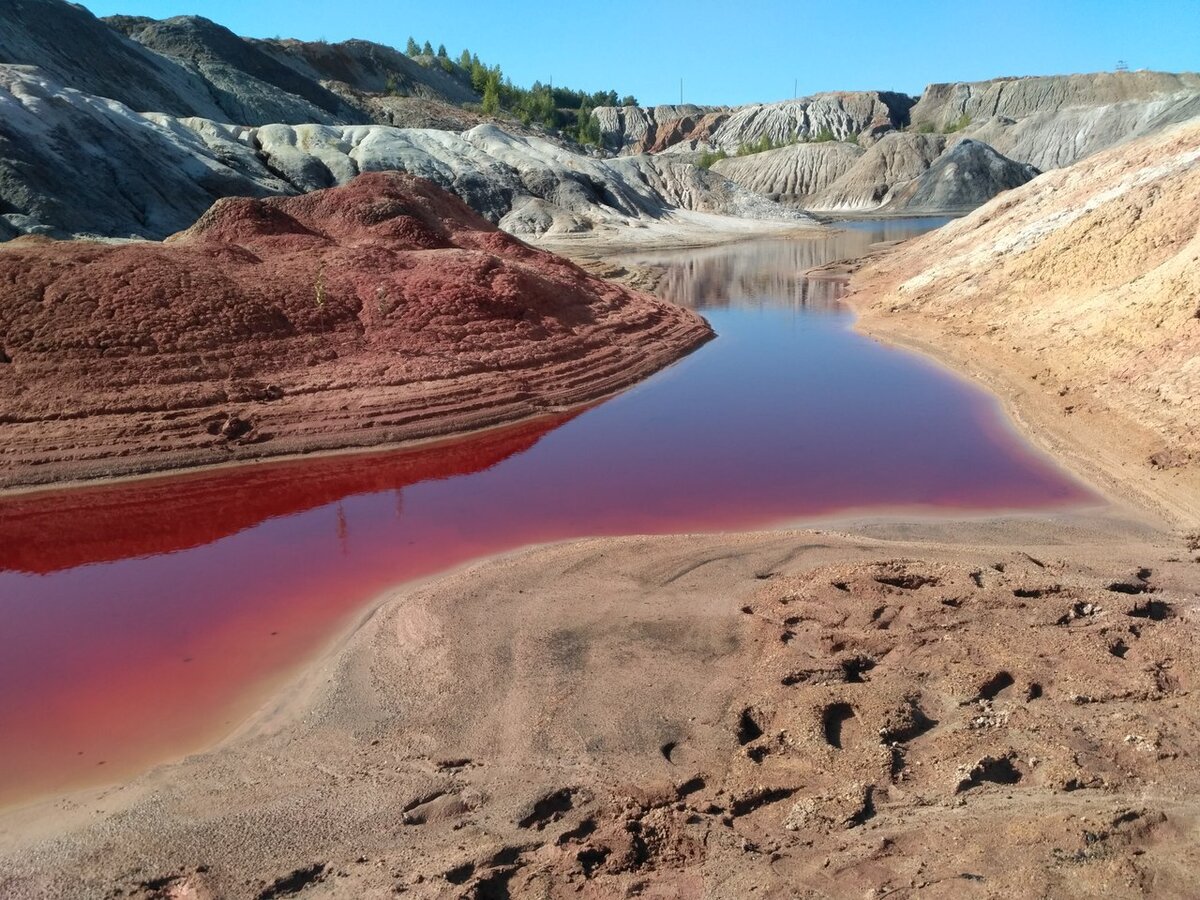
column 559, row 108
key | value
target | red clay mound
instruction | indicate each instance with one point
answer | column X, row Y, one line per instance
column 378, row 312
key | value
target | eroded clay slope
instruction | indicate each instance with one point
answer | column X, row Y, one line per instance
column 378, row 312
column 633, row 129
column 1056, row 120
column 1080, row 293
column 73, row 164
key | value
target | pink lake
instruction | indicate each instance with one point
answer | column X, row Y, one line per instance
column 145, row 620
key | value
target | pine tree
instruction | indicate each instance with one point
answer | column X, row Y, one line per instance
column 491, row 94
column 411, row 49
column 442, row 54
column 427, row 50
column 464, row 59
column 479, row 75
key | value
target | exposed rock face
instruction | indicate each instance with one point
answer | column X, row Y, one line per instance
column 638, row 129
column 378, row 312
column 965, row 176
column 793, row 174
column 841, row 114
column 71, row 163
column 250, row 86
column 368, row 67
column 75, row 48
column 894, row 159
column 1053, row 121
column 189, row 66
column 1044, row 121
column 1086, row 284
column 633, row 129
column 899, row 173
column 75, row 164
column 1015, row 98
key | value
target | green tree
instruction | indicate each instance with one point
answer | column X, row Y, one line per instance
column 587, row 126
column 629, row 100
column 479, row 75
column 411, row 49
column 491, row 93
column 464, row 59
column 442, row 54
column 427, row 50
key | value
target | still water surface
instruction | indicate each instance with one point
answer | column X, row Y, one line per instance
column 142, row 620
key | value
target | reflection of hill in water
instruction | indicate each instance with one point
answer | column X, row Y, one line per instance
column 766, row 272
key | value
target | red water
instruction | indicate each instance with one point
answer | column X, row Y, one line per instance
column 142, row 620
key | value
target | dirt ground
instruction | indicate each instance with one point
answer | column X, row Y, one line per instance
column 990, row 708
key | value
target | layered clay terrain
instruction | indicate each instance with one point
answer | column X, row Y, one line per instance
column 1078, row 297
column 381, row 312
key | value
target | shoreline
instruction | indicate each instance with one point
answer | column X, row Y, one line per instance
column 464, row 771
column 352, row 726
column 588, row 252
column 1119, row 476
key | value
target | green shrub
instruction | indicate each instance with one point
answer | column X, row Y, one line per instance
column 925, row 128
column 708, row 157
column 958, row 124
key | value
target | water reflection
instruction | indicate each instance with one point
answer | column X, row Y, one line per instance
column 141, row 619
column 770, row 272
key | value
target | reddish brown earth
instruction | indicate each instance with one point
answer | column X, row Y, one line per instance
column 689, row 128
column 379, row 312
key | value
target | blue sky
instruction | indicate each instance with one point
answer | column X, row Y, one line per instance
column 738, row 51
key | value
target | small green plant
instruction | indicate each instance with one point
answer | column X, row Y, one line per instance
column 319, row 289
column 958, row 124
column 924, row 128
column 824, row 136
column 762, row 145
column 391, row 87
column 851, row 138
column 708, row 157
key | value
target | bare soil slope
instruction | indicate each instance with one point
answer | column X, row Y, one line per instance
column 378, row 312
column 1078, row 297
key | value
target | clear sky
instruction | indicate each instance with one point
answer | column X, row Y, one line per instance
column 739, row 51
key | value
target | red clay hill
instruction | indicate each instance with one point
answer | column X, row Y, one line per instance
column 378, row 312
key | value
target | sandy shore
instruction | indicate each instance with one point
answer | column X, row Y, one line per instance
column 992, row 708
column 1112, row 455
column 975, row 708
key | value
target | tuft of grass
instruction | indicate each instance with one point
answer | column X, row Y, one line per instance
column 957, row 125
column 708, row 157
